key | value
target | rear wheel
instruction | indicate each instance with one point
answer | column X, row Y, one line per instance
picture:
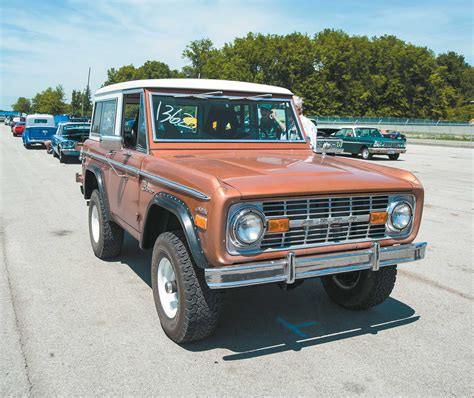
column 394, row 156
column 188, row 309
column 106, row 236
column 360, row 290
column 365, row 153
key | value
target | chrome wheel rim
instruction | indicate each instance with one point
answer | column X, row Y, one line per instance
column 346, row 281
column 167, row 288
column 365, row 153
column 95, row 224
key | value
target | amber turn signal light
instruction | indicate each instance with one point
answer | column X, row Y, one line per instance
column 200, row 221
column 378, row 217
column 278, row 225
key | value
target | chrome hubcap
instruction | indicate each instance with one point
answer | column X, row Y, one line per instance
column 167, row 288
column 346, row 281
column 95, row 225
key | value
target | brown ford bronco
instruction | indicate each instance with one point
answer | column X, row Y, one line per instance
column 219, row 179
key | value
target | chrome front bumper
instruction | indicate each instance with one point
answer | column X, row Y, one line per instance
column 292, row 267
column 387, row 151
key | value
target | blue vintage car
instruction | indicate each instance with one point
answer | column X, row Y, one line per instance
column 64, row 142
column 38, row 129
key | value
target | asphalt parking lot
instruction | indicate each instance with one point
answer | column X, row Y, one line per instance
column 72, row 324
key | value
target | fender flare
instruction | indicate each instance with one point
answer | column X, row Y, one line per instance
column 97, row 171
column 181, row 211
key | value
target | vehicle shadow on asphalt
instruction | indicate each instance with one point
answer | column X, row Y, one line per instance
column 263, row 320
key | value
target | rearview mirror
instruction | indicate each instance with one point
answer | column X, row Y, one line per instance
column 111, row 143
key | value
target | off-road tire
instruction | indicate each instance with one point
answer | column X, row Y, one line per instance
column 394, row 156
column 372, row 288
column 110, row 234
column 198, row 306
column 364, row 152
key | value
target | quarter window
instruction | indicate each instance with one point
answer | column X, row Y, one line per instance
column 104, row 117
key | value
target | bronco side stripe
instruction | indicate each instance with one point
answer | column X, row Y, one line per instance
column 159, row 180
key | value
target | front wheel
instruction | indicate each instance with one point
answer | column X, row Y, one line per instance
column 188, row 309
column 360, row 290
column 394, row 156
column 106, row 236
column 365, row 153
column 62, row 157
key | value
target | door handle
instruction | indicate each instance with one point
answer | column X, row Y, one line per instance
column 127, row 154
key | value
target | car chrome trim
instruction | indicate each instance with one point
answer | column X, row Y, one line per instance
column 292, row 267
column 159, row 180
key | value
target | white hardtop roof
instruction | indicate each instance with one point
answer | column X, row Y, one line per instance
column 195, row 84
column 40, row 115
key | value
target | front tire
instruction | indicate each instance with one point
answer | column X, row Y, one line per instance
column 188, row 309
column 366, row 155
column 106, row 236
column 394, row 156
column 360, row 290
column 62, row 157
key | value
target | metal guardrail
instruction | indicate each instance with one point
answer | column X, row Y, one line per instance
column 387, row 120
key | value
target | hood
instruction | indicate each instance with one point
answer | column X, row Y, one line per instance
column 296, row 172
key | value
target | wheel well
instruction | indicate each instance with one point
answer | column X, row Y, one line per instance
column 158, row 220
column 90, row 184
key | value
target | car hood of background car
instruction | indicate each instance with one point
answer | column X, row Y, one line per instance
column 295, row 172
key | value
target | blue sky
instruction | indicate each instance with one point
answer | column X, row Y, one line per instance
column 45, row 43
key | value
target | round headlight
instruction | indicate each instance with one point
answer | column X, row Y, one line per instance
column 401, row 216
column 248, row 226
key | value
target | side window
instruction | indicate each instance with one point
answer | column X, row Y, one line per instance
column 107, row 120
column 141, row 139
column 96, row 120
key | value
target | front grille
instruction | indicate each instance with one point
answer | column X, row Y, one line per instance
column 392, row 145
column 315, row 221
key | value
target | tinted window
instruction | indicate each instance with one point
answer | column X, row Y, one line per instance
column 107, row 120
column 223, row 118
column 141, row 140
column 41, row 121
column 96, row 121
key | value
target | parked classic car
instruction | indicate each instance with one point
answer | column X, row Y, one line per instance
column 38, row 129
column 325, row 142
column 393, row 134
column 68, row 135
column 369, row 141
column 231, row 197
column 18, row 129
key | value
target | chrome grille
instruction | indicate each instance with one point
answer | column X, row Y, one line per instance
column 324, row 220
column 393, row 144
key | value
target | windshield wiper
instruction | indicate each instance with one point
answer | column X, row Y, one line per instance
column 199, row 96
column 252, row 97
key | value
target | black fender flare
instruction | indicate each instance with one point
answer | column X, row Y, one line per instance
column 177, row 207
column 97, row 171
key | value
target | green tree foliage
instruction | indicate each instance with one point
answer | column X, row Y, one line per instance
column 22, row 104
column 335, row 73
column 50, row 101
column 149, row 70
column 76, row 102
column 86, row 102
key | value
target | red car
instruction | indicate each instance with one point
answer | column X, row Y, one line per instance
column 18, row 129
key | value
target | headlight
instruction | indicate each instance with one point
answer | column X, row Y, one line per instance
column 401, row 210
column 377, row 144
column 401, row 216
column 248, row 226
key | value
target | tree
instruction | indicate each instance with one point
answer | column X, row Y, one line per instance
column 22, row 105
column 76, row 102
column 86, row 102
column 198, row 53
column 50, row 101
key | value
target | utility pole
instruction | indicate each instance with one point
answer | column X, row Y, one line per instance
column 87, row 90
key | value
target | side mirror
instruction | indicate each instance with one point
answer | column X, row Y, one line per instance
column 111, row 143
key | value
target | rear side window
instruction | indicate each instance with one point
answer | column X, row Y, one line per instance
column 41, row 121
column 104, row 117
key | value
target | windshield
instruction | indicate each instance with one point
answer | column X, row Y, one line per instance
column 196, row 117
column 80, row 130
column 368, row 132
